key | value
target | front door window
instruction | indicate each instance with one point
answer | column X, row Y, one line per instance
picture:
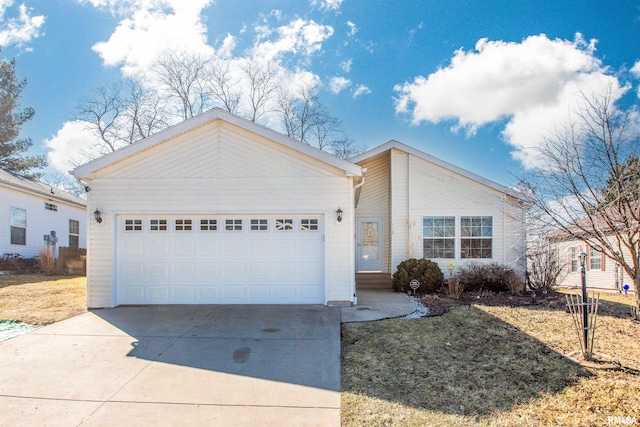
column 370, row 251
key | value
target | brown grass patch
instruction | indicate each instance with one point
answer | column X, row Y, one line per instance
column 38, row 300
column 489, row 365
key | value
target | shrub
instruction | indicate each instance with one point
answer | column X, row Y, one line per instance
column 490, row 277
column 47, row 261
column 426, row 272
column 16, row 263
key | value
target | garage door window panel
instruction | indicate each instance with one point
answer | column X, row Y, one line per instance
column 158, row 225
column 132, row 225
column 259, row 225
column 285, row 224
column 208, row 225
column 308, row 224
column 183, row 225
column 233, row 225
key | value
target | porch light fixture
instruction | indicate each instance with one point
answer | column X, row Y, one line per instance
column 339, row 215
column 97, row 215
column 583, row 259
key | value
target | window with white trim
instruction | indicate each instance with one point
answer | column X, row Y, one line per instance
column 233, row 224
column 208, row 224
column 18, row 223
column 476, row 237
column 132, row 225
column 308, row 224
column 158, row 225
column 74, row 233
column 595, row 259
column 439, row 237
column 285, row 224
column 183, row 225
column 259, row 225
column 50, row 207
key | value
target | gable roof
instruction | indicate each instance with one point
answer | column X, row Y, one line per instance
column 86, row 170
column 17, row 182
column 439, row 162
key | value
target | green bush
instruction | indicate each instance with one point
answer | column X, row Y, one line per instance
column 490, row 277
column 426, row 272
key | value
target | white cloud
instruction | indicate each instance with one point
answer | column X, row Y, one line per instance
column 327, row 5
column 338, row 84
column 361, row 90
column 352, row 29
column 69, row 147
column 18, row 30
column 346, row 65
column 149, row 27
column 298, row 37
column 635, row 70
column 534, row 85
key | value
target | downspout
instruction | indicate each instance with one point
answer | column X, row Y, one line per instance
column 356, row 197
column 357, row 187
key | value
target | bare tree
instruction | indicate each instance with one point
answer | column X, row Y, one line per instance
column 144, row 113
column 581, row 164
column 182, row 75
column 224, row 88
column 121, row 114
column 307, row 120
column 102, row 111
column 262, row 80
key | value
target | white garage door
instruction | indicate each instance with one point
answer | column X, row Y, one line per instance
column 232, row 259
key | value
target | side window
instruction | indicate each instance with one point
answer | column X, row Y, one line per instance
column 18, row 223
column 74, row 233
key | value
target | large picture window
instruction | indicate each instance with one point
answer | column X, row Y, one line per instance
column 439, row 236
column 18, row 222
column 476, row 236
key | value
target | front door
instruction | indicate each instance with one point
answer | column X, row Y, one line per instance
column 369, row 254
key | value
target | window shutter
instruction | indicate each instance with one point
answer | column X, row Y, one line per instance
column 588, row 260
column 602, row 262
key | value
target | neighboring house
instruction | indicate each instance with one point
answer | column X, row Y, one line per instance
column 600, row 271
column 218, row 209
column 31, row 210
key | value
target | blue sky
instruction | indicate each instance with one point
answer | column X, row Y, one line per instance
column 475, row 83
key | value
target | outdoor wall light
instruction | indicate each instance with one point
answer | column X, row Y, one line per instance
column 339, row 215
column 97, row 215
column 583, row 259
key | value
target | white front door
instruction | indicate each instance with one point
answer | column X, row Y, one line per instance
column 369, row 255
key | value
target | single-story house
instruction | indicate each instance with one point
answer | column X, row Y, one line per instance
column 32, row 211
column 221, row 210
column 601, row 272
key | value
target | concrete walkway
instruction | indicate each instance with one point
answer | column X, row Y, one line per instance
column 377, row 305
column 176, row 365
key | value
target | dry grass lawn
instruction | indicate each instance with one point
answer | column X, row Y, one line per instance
column 38, row 300
column 491, row 365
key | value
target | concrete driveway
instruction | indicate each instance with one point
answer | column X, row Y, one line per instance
column 177, row 365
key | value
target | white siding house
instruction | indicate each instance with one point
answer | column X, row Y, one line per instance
column 31, row 209
column 425, row 207
column 221, row 210
column 601, row 272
